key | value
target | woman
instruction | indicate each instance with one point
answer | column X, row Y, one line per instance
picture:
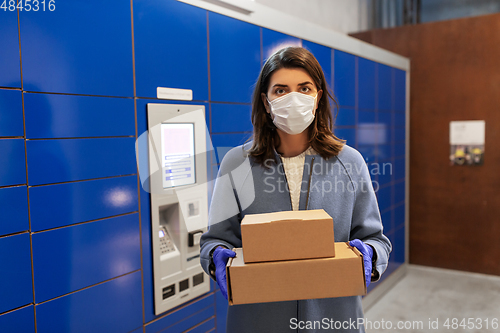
column 294, row 162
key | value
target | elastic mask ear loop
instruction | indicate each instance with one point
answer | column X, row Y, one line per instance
column 269, row 116
column 270, row 108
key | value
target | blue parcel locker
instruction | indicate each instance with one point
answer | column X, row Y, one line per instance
column 229, row 118
column 366, row 84
column 13, row 170
column 10, row 64
column 14, row 209
column 20, row 320
column 69, row 116
column 68, row 259
column 400, row 90
column 234, row 58
column 346, row 117
column 59, row 205
column 344, row 78
column 11, row 111
column 173, row 60
column 112, row 306
column 54, row 161
column 80, row 47
column 16, row 287
column 384, row 87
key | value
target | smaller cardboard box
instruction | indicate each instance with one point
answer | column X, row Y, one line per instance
column 339, row 276
column 287, row 235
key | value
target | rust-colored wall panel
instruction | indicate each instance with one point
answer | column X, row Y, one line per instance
column 455, row 75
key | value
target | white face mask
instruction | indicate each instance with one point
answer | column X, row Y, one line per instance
column 293, row 112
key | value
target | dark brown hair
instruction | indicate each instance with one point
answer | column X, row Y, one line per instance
column 265, row 136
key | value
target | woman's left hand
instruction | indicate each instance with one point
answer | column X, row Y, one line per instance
column 367, row 252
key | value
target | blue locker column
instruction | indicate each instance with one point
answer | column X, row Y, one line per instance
column 10, row 65
column 82, row 170
column 170, row 43
column 13, row 191
column 345, row 79
column 399, row 108
column 384, row 112
column 391, row 114
column 385, row 143
column 344, row 87
column 384, row 125
column 79, row 48
column 234, row 59
column 367, row 136
column 385, row 173
column 367, row 89
column 399, row 112
column 16, row 288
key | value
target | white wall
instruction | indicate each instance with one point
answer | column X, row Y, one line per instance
column 344, row 16
column 297, row 26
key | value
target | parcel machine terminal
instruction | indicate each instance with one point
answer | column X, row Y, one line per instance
column 179, row 207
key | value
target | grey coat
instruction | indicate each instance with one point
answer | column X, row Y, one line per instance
column 340, row 185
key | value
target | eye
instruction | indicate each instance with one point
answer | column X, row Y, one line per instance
column 305, row 90
column 279, row 91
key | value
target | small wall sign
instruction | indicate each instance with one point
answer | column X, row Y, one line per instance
column 467, row 142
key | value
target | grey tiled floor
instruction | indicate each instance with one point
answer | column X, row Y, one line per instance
column 429, row 294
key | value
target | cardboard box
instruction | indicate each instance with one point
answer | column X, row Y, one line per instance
column 287, row 235
column 339, row 276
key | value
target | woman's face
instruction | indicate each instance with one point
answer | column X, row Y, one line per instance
column 286, row 80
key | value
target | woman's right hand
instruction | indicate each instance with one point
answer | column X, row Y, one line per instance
column 220, row 257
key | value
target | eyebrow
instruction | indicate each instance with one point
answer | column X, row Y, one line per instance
column 285, row 85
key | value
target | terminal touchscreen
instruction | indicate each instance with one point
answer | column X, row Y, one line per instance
column 177, row 141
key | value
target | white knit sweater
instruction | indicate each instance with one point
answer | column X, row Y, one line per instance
column 294, row 168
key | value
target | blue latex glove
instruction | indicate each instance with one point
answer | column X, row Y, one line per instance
column 367, row 252
column 220, row 257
